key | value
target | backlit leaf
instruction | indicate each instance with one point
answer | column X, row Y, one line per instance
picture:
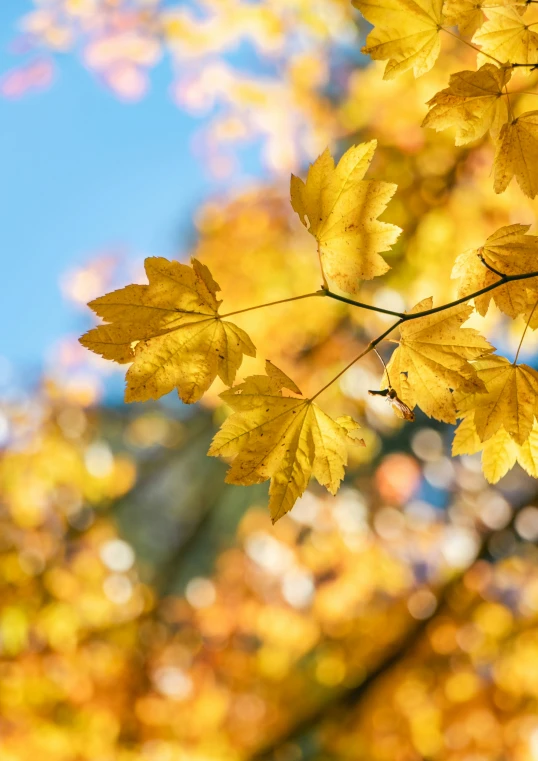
column 510, row 251
column 509, row 402
column 507, row 36
column 340, row 210
column 517, row 154
column 473, row 104
column 405, row 31
column 433, row 359
column 171, row 332
column 282, row 438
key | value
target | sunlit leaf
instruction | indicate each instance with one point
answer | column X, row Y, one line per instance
column 171, row 331
column 340, row 210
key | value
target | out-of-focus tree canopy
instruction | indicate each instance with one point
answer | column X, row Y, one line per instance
column 151, row 611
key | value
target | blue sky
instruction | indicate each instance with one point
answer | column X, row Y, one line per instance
column 82, row 172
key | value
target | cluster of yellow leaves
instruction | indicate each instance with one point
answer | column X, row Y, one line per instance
column 446, row 371
column 407, row 33
column 172, row 333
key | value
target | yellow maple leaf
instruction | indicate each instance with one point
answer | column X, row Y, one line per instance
column 433, row 358
column 284, row 438
column 171, row 332
column 507, row 36
column 509, row 402
column 500, row 452
column 406, row 32
column 510, row 251
column 528, row 453
column 341, row 210
column 499, row 455
column 466, row 439
column 517, row 154
column 466, row 14
column 473, row 103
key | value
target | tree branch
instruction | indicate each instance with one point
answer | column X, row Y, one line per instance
column 360, row 304
column 415, row 315
column 488, row 266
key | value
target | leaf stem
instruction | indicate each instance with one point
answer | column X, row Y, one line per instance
column 385, row 366
column 524, row 332
column 521, row 92
column 273, row 303
column 325, row 284
column 371, row 347
column 510, row 112
column 470, row 45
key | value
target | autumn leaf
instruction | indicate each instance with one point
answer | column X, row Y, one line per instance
column 466, row 14
column 466, row 439
column 406, row 32
column 509, row 402
column 433, row 358
column 473, row 104
column 171, row 332
column 341, row 210
column 510, row 251
column 517, row 154
column 528, row 453
column 507, row 37
column 499, row 453
column 284, row 438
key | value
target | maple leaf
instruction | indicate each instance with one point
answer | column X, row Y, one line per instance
column 528, row 453
column 507, row 37
column 284, row 438
column 406, row 32
column 466, row 14
column 433, row 358
column 509, row 402
column 342, row 210
column 472, row 103
column 509, row 251
column 517, row 154
column 500, row 452
column 499, row 455
column 171, row 332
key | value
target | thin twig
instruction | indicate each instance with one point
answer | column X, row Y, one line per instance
column 325, row 284
column 470, row 45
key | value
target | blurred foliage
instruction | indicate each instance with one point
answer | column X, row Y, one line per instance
column 150, row 612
